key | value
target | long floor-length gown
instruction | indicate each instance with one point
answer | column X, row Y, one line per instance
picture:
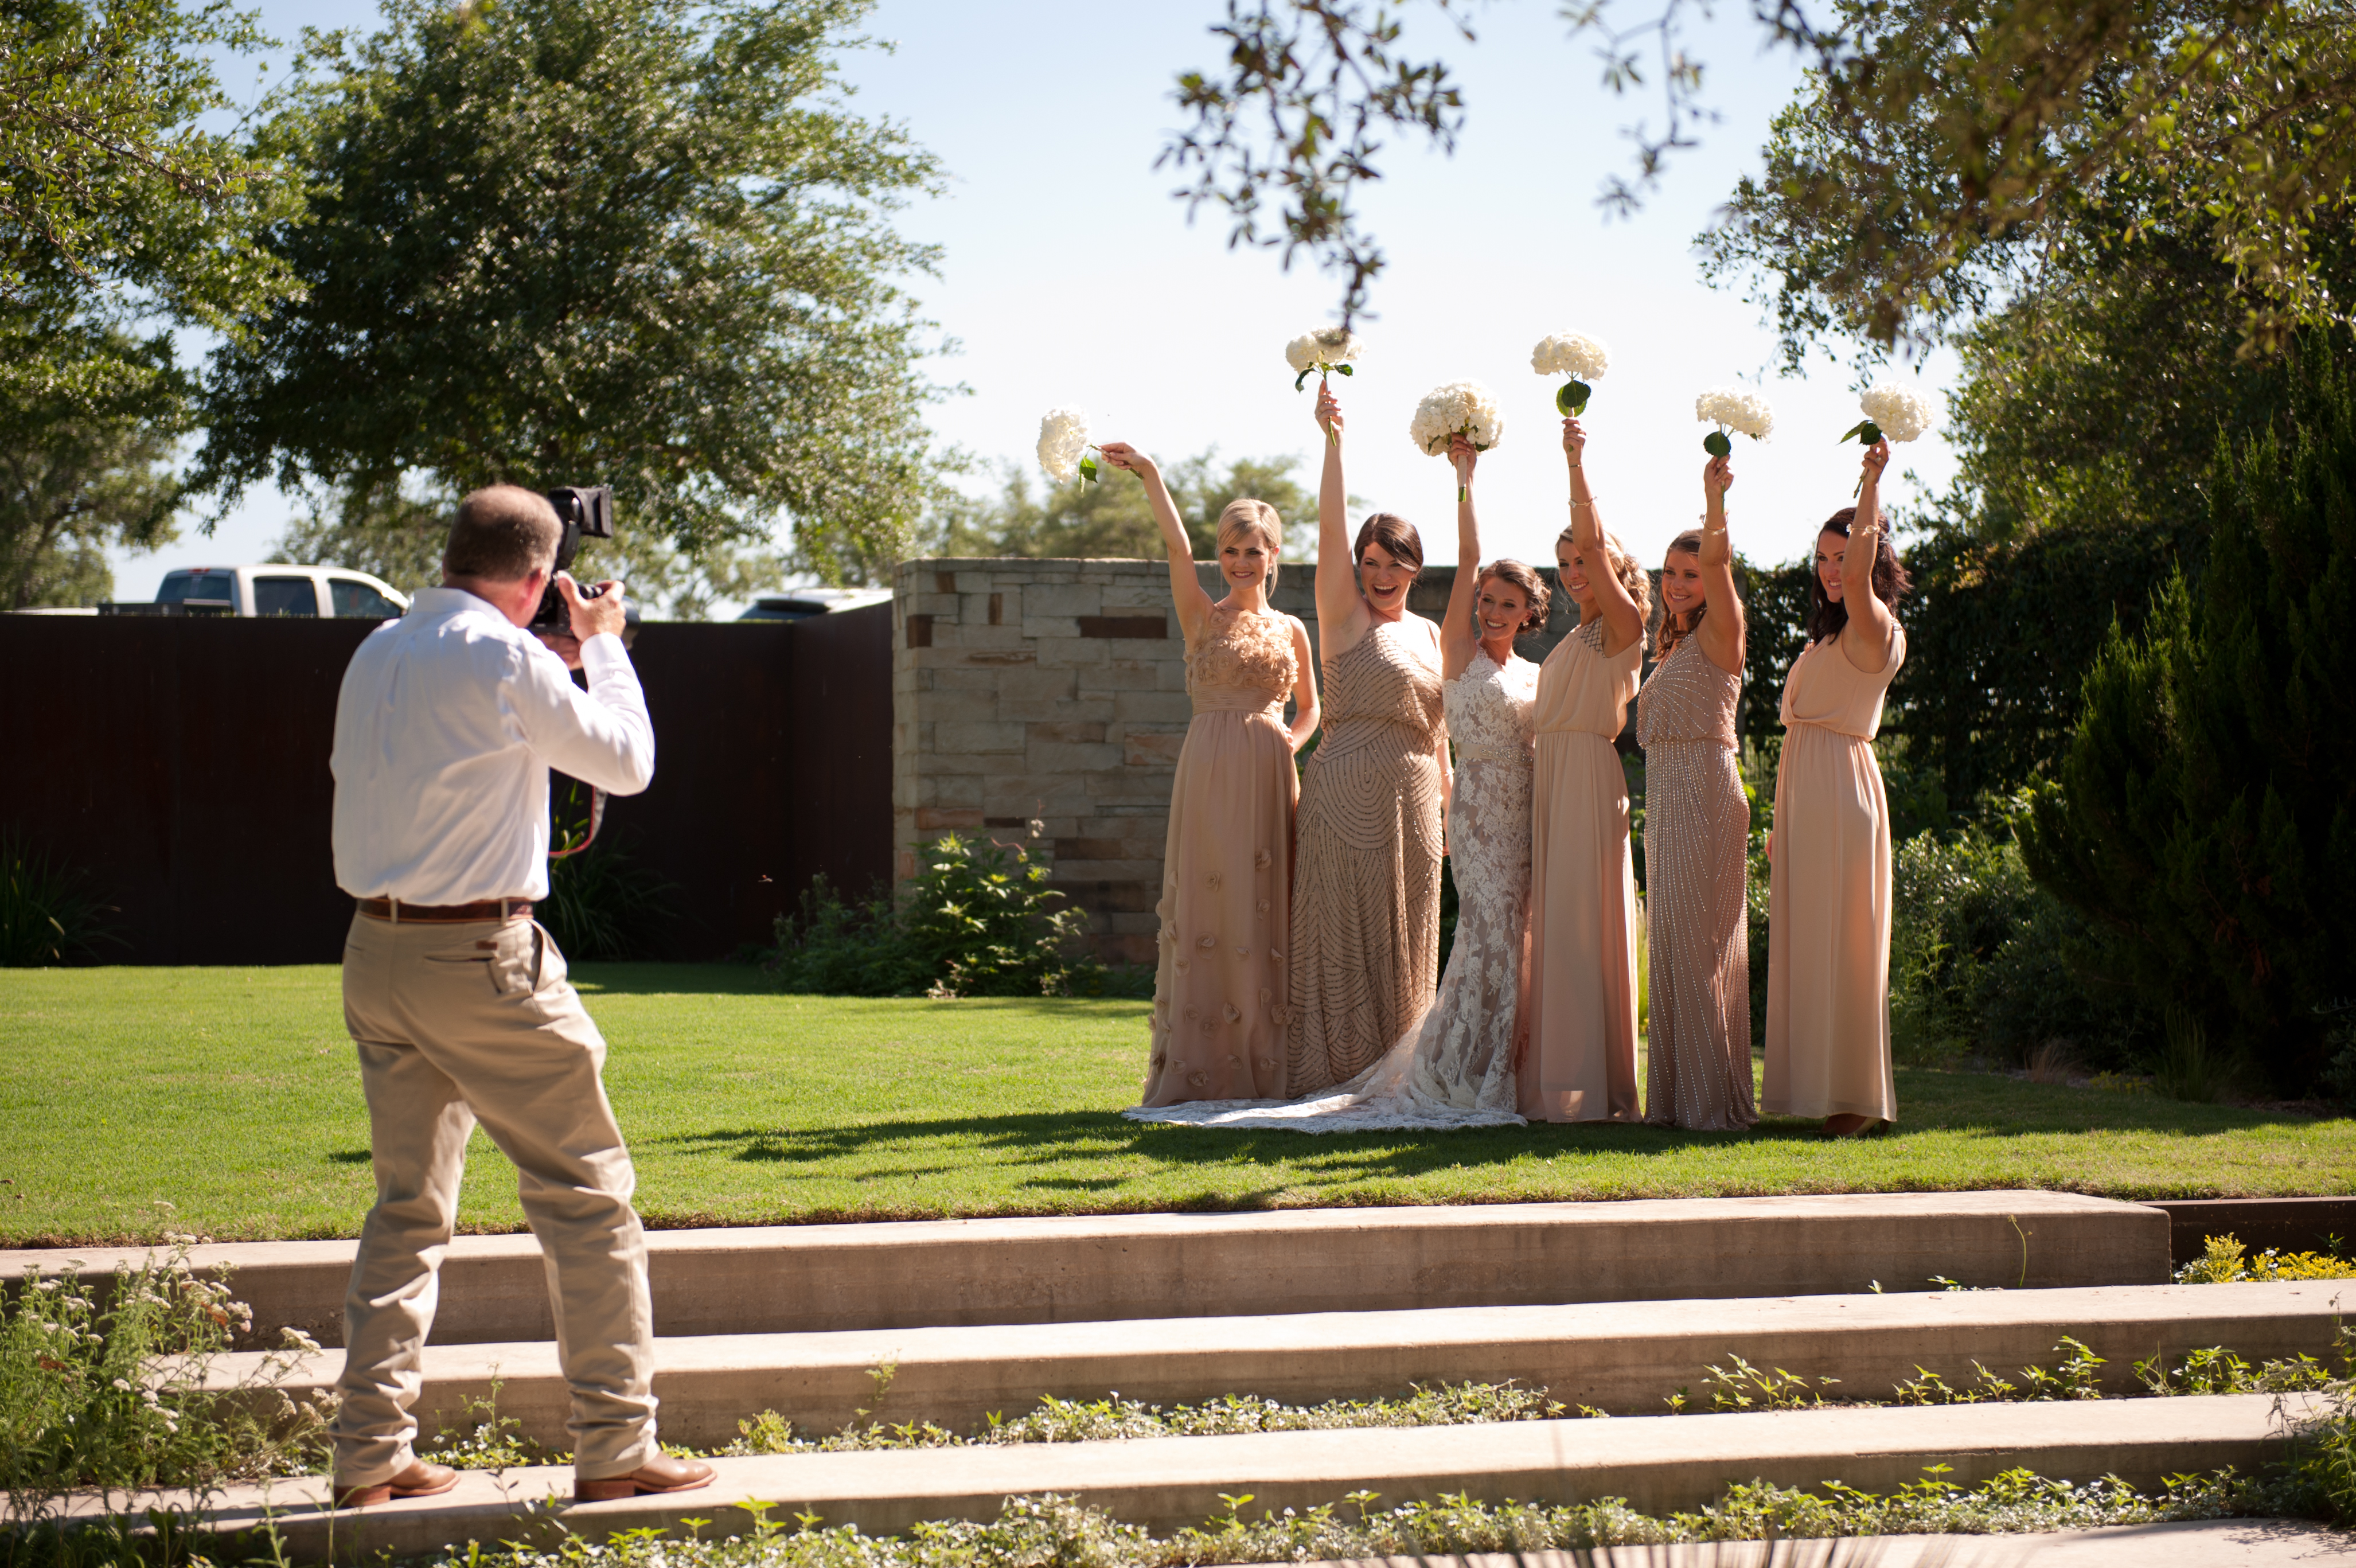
column 1697, row 841
column 1454, row 1066
column 1365, row 884
column 1828, row 895
column 1218, row 1022
column 1579, row 1016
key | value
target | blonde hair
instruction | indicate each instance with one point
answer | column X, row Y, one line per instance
column 1245, row 516
column 1632, row 576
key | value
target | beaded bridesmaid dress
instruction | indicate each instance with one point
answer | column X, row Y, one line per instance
column 1828, row 895
column 1579, row 1063
column 1454, row 1066
column 1219, row 1016
column 1696, row 842
column 1366, row 892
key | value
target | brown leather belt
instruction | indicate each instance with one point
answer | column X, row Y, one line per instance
column 400, row 913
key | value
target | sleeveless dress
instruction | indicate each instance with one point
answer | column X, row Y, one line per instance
column 1219, row 983
column 1828, row 895
column 1365, row 888
column 1697, row 841
column 1579, row 1018
column 1454, row 1067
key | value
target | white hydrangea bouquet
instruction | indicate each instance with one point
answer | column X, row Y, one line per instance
column 1324, row 351
column 1891, row 410
column 1458, row 408
column 1576, row 356
column 1731, row 408
column 1064, row 447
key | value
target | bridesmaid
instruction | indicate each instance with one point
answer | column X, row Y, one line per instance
column 1828, row 890
column 1579, row 1014
column 1366, row 888
column 1697, row 837
column 1219, row 985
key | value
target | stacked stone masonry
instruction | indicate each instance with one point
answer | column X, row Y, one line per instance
column 1055, row 692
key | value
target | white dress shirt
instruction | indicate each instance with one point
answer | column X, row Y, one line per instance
column 447, row 726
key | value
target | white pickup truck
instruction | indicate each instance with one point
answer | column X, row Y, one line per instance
column 282, row 591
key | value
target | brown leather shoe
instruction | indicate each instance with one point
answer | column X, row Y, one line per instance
column 660, row 1474
column 420, row 1480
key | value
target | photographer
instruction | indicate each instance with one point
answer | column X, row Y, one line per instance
column 448, row 722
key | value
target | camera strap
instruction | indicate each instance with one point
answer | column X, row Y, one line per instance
column 596, row 820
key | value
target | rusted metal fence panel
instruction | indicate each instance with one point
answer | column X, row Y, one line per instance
column 181, row 766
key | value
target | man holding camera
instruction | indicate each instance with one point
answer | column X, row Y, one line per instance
column 447, row 726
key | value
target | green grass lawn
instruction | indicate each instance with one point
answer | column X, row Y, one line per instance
column 232, row 1095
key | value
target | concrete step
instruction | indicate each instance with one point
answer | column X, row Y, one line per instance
column 1614, row 1357
column 1657, row 1464
column 2190, row 1543
column 797, row 1279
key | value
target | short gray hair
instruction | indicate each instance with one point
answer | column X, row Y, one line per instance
column 503, row 533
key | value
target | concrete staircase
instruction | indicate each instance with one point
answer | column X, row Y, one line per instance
column 1608, row 1305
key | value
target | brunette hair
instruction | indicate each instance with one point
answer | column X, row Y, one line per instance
column 1633, row 578
column 1826, row 615
column 1534, row 591
column 503, row 533
column 1249, row 516
column 1395, row 533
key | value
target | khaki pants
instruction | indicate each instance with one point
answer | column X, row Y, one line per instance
column 457, row 1023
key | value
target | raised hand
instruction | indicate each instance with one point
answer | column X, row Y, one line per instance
column 1717, row 477
column 1329, row 411
column 1462, row 454
column 1121, row 455
column 1574, row 442
column 1876, row 459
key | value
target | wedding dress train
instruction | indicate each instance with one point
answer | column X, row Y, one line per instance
column 1454, row 1067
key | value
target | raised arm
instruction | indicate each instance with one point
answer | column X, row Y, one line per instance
column 1457, row 637
column 1869, row 619
column 1305, row 714
column 1721, row 629
column 1623, row 623
column 1341, row 610
column 1185, row 585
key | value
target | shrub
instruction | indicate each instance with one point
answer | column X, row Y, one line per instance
column 977, row 919
column 602, row 905
column 47, row 916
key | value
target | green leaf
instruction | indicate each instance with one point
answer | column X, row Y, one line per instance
column 1571, row 397
column 1717, row 444
column 1302, row 380
column 1088, row 470
column 1342, row 370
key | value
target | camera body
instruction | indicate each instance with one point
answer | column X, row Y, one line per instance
column 587, row 512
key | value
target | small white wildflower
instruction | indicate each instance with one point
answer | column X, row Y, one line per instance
column 298, row 1340
column 124, row 1386
column 45, row 1284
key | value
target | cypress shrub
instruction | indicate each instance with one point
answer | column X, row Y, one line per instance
column 2204, row 818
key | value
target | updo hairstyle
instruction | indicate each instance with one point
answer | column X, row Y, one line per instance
column 1533, row 589
column 1245, row 518
column 1396, row 534
column 1890, row 582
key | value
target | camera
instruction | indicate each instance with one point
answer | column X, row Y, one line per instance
column 587, row 512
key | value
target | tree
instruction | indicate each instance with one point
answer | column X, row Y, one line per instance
column 1936, row 142
column 2204, row 819
column 1111, row 519
column 117, row 205
column 558, row 242
column 73, row 482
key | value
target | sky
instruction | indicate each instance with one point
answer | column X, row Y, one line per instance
column 1071, row 277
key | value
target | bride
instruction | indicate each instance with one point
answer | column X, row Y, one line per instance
column 1454, row 1067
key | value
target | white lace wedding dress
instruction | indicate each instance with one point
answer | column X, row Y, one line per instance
column 1455, row 1067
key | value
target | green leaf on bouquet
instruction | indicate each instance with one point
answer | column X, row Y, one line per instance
column 1866, row 433
column 1302, row 380
column 1572, row 397
column 1344, row 370
column 1717, row 444
column 1088, row 470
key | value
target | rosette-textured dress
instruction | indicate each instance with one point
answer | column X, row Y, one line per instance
column 1366, row 890
column 1696, row 839
column 1579, row 1063
column 1828, row 895
column 1226, row 872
